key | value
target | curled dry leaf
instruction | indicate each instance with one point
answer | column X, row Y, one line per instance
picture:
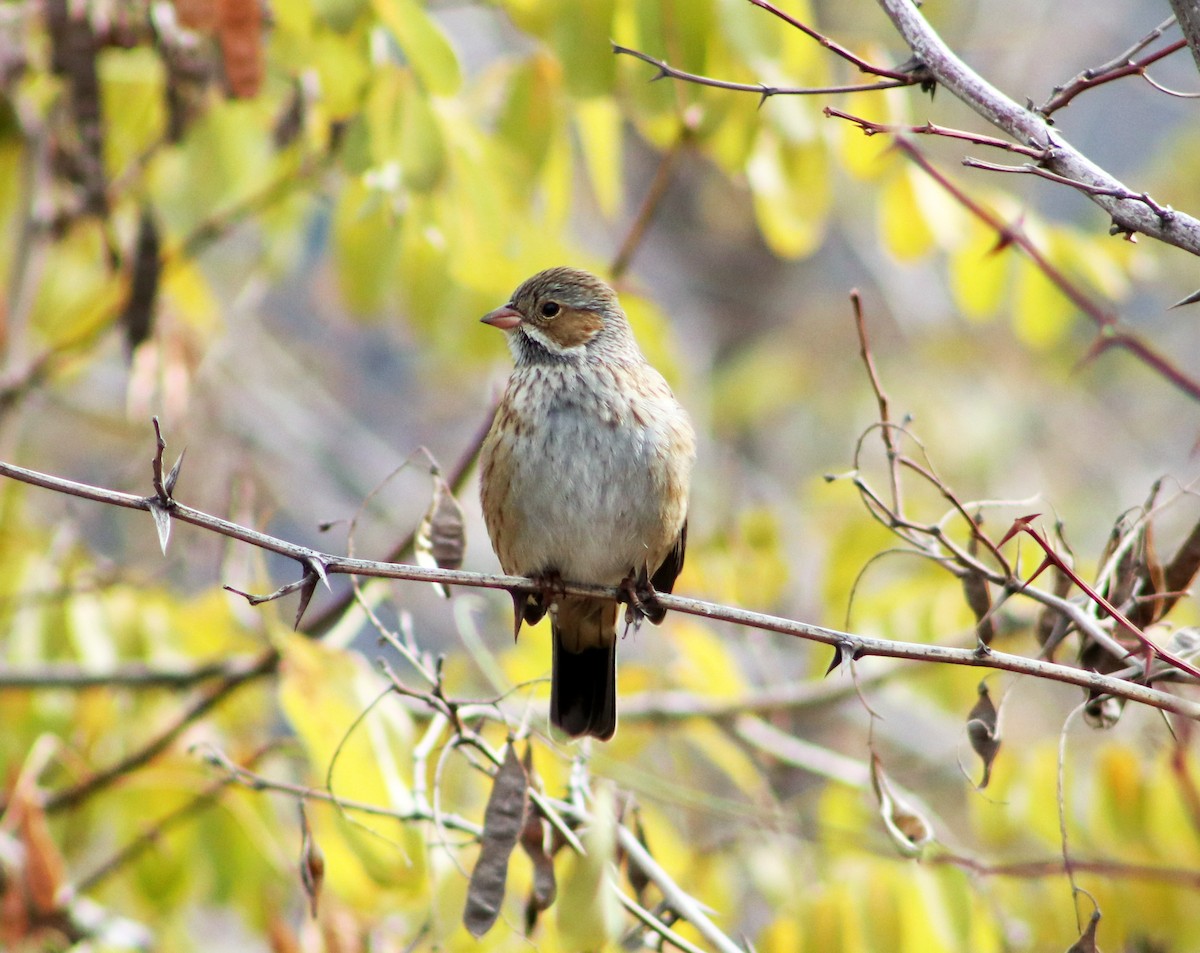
column 138, row 315
column 979, row 597
column 1087, row 939
column 533, row 842
column 240, row 32
column 503, row 821
column 440, row 540
column 312, row 863
column 638, row 878
column 909, row 830
column 983, row 733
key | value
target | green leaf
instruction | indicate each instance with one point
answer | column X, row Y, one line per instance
column 582, row 39
column 588, row 916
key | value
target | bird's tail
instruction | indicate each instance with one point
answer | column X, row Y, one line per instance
column 583, row 691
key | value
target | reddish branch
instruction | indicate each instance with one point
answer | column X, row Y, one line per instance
column 1118, row 69
column 1109, row 332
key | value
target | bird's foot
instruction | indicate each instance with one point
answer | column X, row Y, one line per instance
column 532, row 606
column 641, row 600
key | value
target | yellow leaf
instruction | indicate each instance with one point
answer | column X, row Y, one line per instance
column 423, row 44
column 980, row 274
column 325, row 694
column 337, row 14
column 343, row 69
column 599, row 124
column 366, row 237
column 791, row 194
column 133, row 104
column 532, row 114
column 902, row 221
column 1041, row 312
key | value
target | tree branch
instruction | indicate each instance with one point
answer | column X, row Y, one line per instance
column 1187, row 13
column 1027, row 127
column 856, row 646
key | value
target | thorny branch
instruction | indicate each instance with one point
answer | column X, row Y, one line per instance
column 862, row 645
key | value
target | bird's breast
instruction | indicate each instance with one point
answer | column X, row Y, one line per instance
column 589, row 480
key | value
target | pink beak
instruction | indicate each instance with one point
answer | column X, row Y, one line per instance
column 505, row 318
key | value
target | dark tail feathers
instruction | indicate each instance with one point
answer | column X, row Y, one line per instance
column 583, row 691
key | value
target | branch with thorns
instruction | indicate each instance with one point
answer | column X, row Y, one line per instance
column 844, row 643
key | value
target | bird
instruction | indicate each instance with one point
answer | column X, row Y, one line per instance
column 585, row 475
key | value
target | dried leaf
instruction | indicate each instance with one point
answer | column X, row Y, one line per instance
column 909, row 830
column 240, row 31
column 1087, row 940
column 502, row 824
column 1181, row 570
column 138, row 315
column 979, row 599
column 440, row 540
column 1103, row 712
column 545, row 888
column 43, row 873
column 533, row 842
column 312, row 863
column 638, row 878
column 983, row 734
column 1127, row 570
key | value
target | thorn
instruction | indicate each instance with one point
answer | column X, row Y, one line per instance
column 1020, row 524
column 169, row 482
column 317, row 565
column 1190, row 299
column 162, row 522
column 307, row 588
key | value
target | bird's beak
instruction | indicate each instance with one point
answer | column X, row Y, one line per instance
column 505, row 318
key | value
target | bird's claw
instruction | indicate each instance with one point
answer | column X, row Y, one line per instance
column 641, row 599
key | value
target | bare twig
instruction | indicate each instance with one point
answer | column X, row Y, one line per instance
column 1036, row 869
column 931, row 129
column 654, row 196
column 829, row 44
column 153, row 833
column 1030, row 169
column 1119, row 68
column 132, row 675
column 765, row 92
column 80, row 791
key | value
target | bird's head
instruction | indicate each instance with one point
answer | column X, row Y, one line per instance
column 562, row 314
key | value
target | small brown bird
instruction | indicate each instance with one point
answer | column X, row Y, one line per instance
column 585, row 477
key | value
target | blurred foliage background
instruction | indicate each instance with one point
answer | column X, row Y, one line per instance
column 275, row 228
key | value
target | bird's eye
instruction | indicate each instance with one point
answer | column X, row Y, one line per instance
column 550, row 309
